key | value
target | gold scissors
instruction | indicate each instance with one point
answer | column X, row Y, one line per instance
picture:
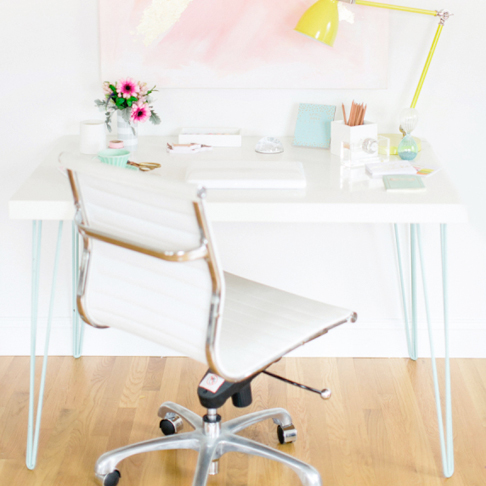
column 144, row 166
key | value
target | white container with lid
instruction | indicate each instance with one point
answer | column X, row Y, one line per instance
column 215, row 137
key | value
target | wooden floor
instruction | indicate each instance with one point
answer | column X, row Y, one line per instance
column 378, row 429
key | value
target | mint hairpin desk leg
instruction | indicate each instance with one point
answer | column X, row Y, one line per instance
column 33, row 428
column 446, row 445
column 446, row 439
column 411, row 336
column 78, row 325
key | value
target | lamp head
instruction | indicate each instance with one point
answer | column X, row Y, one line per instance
column 321, row 21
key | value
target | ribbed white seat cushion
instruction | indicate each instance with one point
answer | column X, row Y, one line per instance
column 261, row 324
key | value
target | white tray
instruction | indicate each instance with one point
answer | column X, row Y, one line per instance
column 216, row 137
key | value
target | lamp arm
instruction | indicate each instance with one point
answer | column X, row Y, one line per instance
column 443, row 15
column 393, row 7
column 427, row 65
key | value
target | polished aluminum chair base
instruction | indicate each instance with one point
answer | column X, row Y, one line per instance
column 211, row 439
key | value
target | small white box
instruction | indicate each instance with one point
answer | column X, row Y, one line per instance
column 343, row 133
column 215, row 137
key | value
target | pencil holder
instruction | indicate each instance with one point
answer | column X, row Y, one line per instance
column 351, row 135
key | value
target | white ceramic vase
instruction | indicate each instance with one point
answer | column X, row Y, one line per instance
column 127, row 132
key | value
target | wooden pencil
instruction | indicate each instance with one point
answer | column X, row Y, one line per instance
column 364, row 113
column 351, row 114
column 356, row 115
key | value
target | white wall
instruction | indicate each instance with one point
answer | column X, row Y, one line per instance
column 50, row 76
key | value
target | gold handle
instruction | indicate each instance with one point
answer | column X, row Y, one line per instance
column 144, row 166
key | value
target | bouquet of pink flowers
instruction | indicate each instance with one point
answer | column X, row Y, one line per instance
column 131, row 98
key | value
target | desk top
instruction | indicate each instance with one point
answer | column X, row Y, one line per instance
column 333, row 193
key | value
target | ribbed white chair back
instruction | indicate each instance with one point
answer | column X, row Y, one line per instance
column 163, row 301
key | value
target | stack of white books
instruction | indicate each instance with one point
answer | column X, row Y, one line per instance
column 394, row 167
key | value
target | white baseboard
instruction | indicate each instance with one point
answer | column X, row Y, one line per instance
column 384, row 338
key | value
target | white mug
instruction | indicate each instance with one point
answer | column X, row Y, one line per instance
column 92, row 136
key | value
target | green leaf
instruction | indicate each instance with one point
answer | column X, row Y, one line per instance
column 126, row 115
column 151, row 90
column 132, row 98
column 108, row 121
column 101, row 105
column 113, row 88
column 154, row 118
column 129, row 102
column 119, row 101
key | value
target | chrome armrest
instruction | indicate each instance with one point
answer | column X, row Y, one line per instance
column 170, row 256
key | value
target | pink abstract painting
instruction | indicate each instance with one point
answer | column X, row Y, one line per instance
column 239, row 44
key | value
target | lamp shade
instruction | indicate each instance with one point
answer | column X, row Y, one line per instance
column 321, row 21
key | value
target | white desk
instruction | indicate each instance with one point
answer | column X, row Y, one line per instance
column 333, row 194
column 330, row 196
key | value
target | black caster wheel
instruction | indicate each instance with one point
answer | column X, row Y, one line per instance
column 111, row 479
column 171, row 424
column 286, row 434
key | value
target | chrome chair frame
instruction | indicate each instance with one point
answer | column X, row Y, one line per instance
column 211, row 439
column 204, row 251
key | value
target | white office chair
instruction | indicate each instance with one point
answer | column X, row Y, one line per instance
column 150, row 267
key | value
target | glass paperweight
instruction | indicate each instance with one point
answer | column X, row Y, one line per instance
column 408, row 148
column 269, row 145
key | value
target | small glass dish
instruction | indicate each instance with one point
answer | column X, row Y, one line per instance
column 269, row 145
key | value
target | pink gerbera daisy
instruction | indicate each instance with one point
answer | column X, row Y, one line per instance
column 140, row 112
column 127, row 87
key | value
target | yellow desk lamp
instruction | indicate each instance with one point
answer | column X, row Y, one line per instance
column 321, row 22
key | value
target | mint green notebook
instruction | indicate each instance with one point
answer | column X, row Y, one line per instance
column 313, row 128
column 403, row 182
